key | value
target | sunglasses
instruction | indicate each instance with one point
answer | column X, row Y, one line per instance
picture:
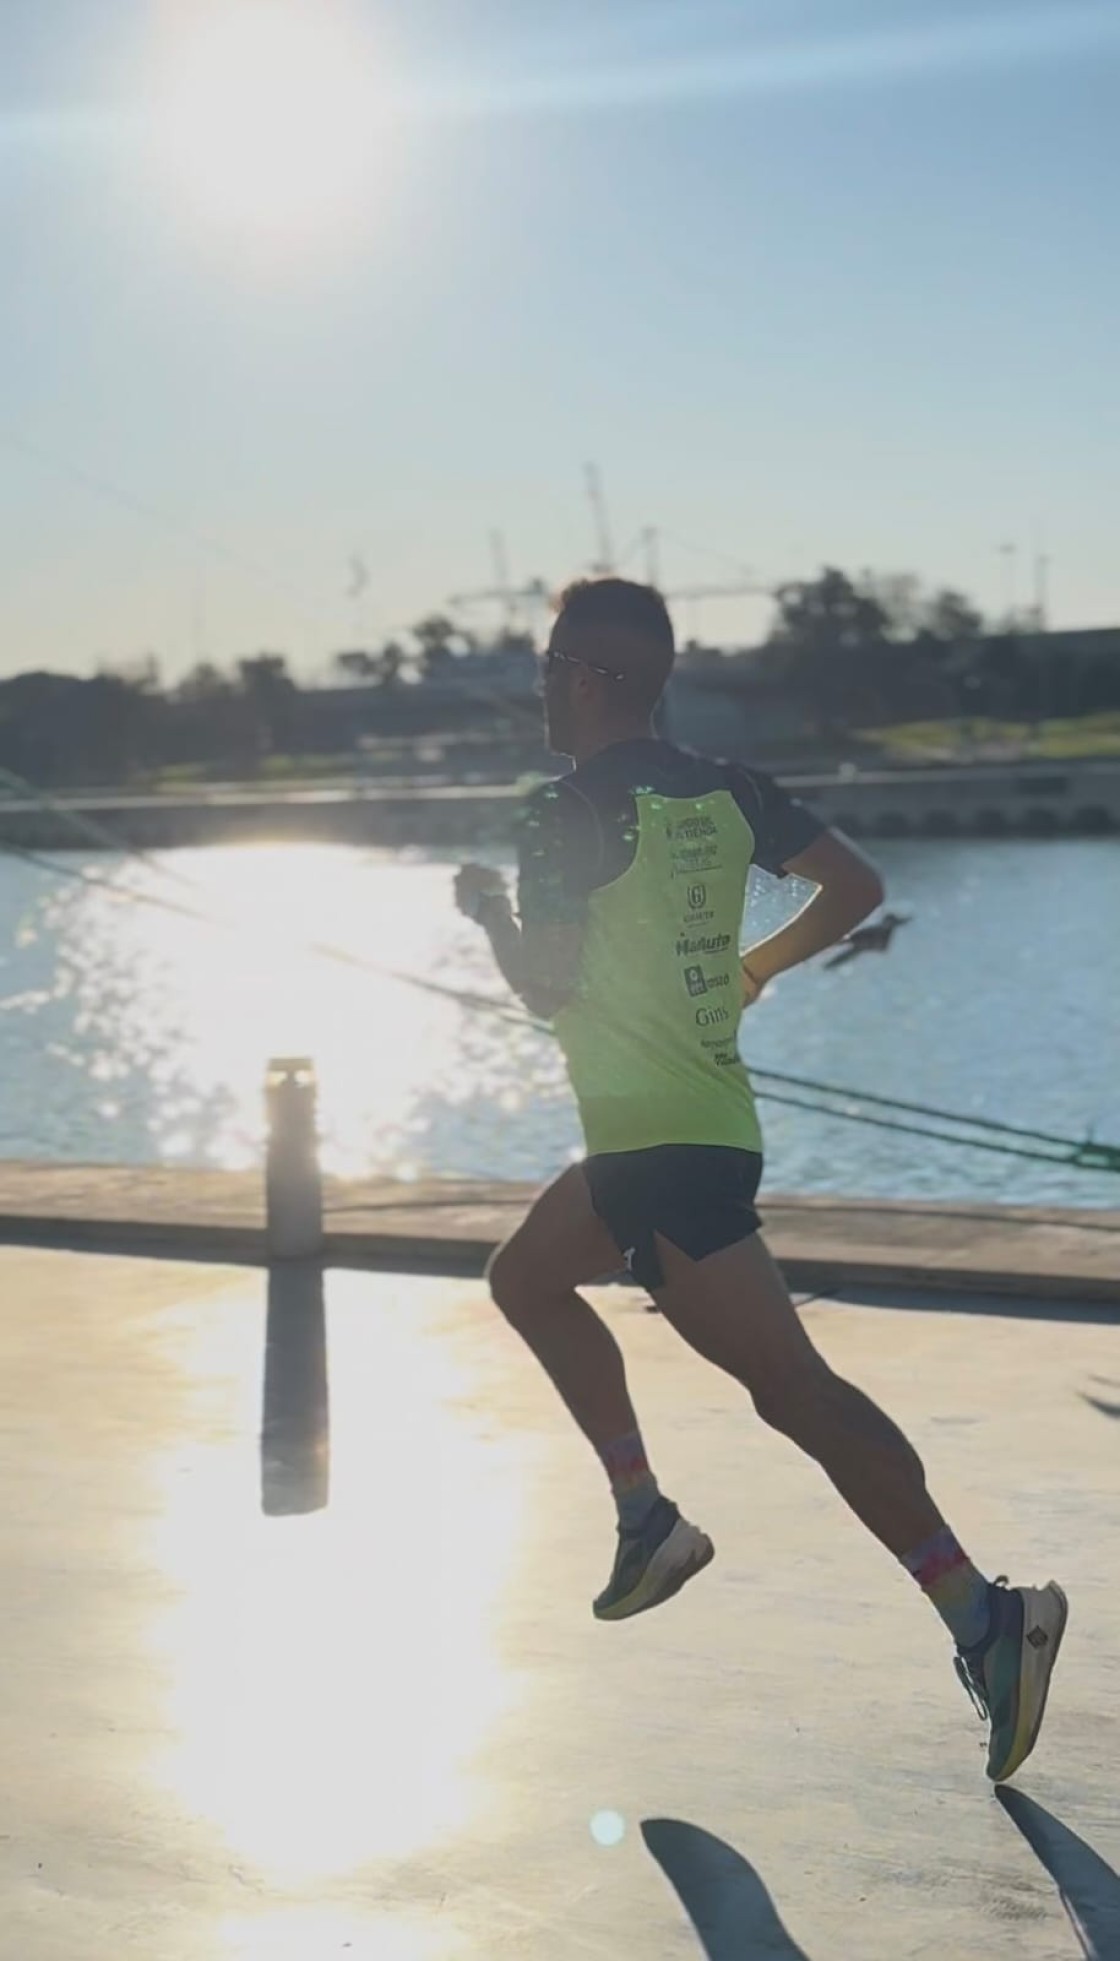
column 553, row 659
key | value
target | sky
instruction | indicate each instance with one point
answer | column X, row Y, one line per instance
column 306, row 299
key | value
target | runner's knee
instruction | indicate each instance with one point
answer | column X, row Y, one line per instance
column 791, row 1398
column 508, row 1281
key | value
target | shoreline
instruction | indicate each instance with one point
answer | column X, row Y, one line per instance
column 1030, row 800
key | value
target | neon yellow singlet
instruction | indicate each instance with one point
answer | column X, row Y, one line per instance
column 651, row 1039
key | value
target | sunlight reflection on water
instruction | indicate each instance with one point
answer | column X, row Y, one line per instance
column 129, row 1034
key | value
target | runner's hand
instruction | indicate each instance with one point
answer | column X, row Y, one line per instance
column 473, row 883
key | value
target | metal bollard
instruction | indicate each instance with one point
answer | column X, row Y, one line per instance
column 293, row 1183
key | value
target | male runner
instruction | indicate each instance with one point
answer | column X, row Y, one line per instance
column 633, row 877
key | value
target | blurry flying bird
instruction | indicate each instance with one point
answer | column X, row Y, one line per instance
column 359, row 576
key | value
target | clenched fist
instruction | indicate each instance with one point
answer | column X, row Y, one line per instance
column 474, row 884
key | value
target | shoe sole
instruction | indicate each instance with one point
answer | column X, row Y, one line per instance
column 1033, row 1677
column 685, row 1553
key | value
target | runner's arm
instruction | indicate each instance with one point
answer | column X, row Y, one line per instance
column 538, row 949
column 539, row 961
column 848, row 889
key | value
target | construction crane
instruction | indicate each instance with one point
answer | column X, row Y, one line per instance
column 604, row 564
column 534, row 594
column 648, row 541
column 753, row 587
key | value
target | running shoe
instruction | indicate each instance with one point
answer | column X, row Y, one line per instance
column 1007, row 1675
column 653, row 1563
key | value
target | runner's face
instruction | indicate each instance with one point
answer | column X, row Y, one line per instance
column 558, row 685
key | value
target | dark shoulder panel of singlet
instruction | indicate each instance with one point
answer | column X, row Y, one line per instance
column 607, row 785
column 580, row 832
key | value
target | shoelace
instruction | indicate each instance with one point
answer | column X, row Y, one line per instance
column 971, row 1678
column 973, row 1686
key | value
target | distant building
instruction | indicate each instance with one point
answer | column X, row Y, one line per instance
column 727, row 714
column 1083, row 644
column 739, row 703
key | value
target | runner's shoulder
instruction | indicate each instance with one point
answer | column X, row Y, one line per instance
column 783, row 826
column 692, row 772
column 557, row 801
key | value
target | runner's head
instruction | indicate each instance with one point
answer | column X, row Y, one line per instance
column 609, row 657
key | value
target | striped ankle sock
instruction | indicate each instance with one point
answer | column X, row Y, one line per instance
column 634, row 1486
column 952, row 1585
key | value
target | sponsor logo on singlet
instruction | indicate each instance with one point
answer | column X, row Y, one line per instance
column 695, row 858
column 690, row 829
column 711, row 1017
column 703, row 943
column 698, row 982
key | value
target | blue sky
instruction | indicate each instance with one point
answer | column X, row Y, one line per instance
column 823, row 280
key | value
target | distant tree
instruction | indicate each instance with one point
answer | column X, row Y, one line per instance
column 267, row 676
column 381, row 668
column 879, row 646
column 948, row 616
column 214, row 721
column 204, row 683
column 511, row 640
column 391, row 661
column 829, row 613
column 834, row 637
column 910, row 612
column 898, row 595
column 438, row 639
column 357, row 665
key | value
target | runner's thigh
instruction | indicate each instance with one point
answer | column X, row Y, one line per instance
column 560, row 1244
column 735, row 1309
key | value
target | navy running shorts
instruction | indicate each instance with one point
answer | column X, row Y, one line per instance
column 700, row 1197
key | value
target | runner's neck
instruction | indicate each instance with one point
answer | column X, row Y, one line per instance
column 593, row 745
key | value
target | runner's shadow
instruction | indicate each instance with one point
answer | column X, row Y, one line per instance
column 295, row 1418
column 721, row 1893
column 1089, row 1889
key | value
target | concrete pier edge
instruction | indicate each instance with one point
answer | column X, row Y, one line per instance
column 449, row 1228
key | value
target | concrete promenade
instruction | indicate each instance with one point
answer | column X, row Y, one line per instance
column 339, row 1696
column 451, row 1226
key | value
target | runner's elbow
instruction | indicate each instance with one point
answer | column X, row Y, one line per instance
column 852, row 892
column 856, row 884
column 870, row 889
column 543, row 1002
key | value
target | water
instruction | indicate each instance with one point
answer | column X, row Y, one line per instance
column 133, row 1035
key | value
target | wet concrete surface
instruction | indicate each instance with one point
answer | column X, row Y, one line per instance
column 299, row 1661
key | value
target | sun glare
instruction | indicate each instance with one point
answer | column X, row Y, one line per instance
column 271, row 114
